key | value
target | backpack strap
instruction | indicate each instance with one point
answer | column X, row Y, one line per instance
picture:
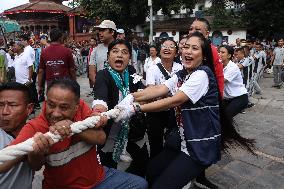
column 164, row 72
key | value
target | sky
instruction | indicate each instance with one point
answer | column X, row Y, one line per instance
column 7, row 4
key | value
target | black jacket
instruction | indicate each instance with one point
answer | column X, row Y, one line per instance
column 105, row 89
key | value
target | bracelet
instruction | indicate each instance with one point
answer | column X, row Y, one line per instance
column 137, row 107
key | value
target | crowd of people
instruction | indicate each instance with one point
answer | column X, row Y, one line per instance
column 185, row 94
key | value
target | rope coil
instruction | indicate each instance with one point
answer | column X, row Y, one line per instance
column 23, row 148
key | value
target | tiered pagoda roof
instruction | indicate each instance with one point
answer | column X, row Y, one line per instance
column 45, row 6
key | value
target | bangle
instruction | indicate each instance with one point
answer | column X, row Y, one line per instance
column 137, row 107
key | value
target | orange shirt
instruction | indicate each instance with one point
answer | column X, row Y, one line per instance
column 218, row 69
column 72, row 163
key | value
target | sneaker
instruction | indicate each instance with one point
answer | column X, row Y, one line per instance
column 258, row 93
column 91, row 93
column 203, row 182
column 250, row 104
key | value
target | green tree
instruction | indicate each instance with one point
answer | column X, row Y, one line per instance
column 129, row 13
column 262, row 18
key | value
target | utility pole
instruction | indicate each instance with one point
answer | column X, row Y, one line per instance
column 151, row 22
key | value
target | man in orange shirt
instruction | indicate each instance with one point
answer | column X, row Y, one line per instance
column 72, row 162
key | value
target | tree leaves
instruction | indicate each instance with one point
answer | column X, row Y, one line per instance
column 129, row 13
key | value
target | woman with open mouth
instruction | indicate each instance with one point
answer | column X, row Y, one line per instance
column 156, row 75
column 200, row 116
column 113, row 83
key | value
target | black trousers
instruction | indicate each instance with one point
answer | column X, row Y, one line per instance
column 139, row 156
column 172, row 170
column 157, row 123
column 236, row 105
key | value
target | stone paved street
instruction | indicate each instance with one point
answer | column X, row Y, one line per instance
column 265, row 123
column 238, row 169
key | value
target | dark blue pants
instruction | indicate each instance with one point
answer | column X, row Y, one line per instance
column 157, row 123
column 236, row 105
column 172, row 170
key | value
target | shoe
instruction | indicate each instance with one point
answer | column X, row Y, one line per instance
column 275, row 86
column 91, row 93
column 258, row 93
column 243, row 112
column 203, row 182
column 250, row 104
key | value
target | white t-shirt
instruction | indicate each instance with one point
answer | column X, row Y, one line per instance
column 10, row 60
column 30, row 53
column 99, row 56
column 261, row 55
column 155, row 77
column 21, row 175
column 234, row 85
column 278, row 52
column 245, row 62
column 195, row 87
column 150, row 62
column 22, row 64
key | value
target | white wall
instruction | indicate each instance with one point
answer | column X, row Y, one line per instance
column 231, row 38
column 235, row 34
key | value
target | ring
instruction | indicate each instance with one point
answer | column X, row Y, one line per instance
column 64, row 126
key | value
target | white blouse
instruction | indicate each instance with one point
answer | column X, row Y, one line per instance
column 150, row 62
column 234, row 85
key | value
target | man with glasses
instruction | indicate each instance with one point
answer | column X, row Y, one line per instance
column 107, row 34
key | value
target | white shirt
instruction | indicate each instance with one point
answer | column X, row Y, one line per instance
column 278, row 52
column 99, row 56
column 195, row 87
column 261, row 55
column 155, row 77
column 30, row 53
column 150, row 62
column 245, row 62
column 234, row 85
column 22, row 64
column 10, row 60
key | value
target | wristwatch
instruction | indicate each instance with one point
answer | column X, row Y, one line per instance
column 137, row 107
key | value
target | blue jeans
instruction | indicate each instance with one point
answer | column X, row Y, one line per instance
column 116, row 179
